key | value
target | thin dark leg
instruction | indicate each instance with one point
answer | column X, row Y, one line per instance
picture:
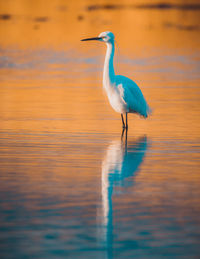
column 122, row 134
column 126, row 137
column 126, row 120
column 123, row 124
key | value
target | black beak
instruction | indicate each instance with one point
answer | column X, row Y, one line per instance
column 95, row 38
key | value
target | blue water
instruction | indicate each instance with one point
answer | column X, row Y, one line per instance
column 94, row 195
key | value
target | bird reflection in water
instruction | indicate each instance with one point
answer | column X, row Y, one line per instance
column 122, row 160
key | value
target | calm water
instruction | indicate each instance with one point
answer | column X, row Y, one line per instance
column 70, row 185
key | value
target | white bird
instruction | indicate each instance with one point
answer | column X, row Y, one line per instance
column 123, row 94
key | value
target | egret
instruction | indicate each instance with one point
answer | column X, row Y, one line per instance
column 123, row 94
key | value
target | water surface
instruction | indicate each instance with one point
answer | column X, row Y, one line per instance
column 70, row 186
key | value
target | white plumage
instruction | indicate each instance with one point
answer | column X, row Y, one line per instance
column 123, row 94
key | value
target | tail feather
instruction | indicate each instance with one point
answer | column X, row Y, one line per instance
column 148, row 112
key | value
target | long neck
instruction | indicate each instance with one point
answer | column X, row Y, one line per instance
column 108, row 72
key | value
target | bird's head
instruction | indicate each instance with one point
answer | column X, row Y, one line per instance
column 106, row 36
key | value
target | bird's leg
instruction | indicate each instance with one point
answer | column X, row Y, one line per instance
column 126, row 137
column 126, row 120
column 122, row 134
column 123, row 124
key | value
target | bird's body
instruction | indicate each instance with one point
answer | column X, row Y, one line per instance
column 123, row 94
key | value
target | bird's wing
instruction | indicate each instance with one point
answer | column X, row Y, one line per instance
column 132, row 96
